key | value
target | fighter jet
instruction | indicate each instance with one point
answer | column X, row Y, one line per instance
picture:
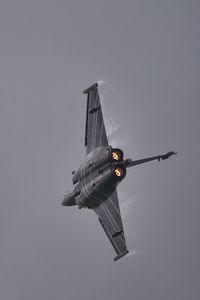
column 96, row 180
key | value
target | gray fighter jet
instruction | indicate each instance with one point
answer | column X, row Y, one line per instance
column 103, row 169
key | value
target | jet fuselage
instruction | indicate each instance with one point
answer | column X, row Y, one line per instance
column 96, row 178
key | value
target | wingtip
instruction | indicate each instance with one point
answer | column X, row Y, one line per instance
column 94, row 86
column 121, row 255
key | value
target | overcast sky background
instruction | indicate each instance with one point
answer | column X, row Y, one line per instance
column 148, row 54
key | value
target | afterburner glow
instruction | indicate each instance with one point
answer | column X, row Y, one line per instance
column 119, row 171
column 117, row 155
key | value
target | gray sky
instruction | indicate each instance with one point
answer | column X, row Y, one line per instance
column 148, row 54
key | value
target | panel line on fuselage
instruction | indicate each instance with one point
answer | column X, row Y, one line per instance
column 103, row 207
column 106, row 210
column 107, row 213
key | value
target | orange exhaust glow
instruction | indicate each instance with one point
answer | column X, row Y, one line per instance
column 117, row 155
column 119, row 171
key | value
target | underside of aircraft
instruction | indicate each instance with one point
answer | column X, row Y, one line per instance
column 95, row 181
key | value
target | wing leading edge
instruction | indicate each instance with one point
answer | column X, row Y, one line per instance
column 95, row 133
column 109, row 217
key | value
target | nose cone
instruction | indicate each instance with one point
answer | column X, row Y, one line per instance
column 64, row 202
column 69, row 200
